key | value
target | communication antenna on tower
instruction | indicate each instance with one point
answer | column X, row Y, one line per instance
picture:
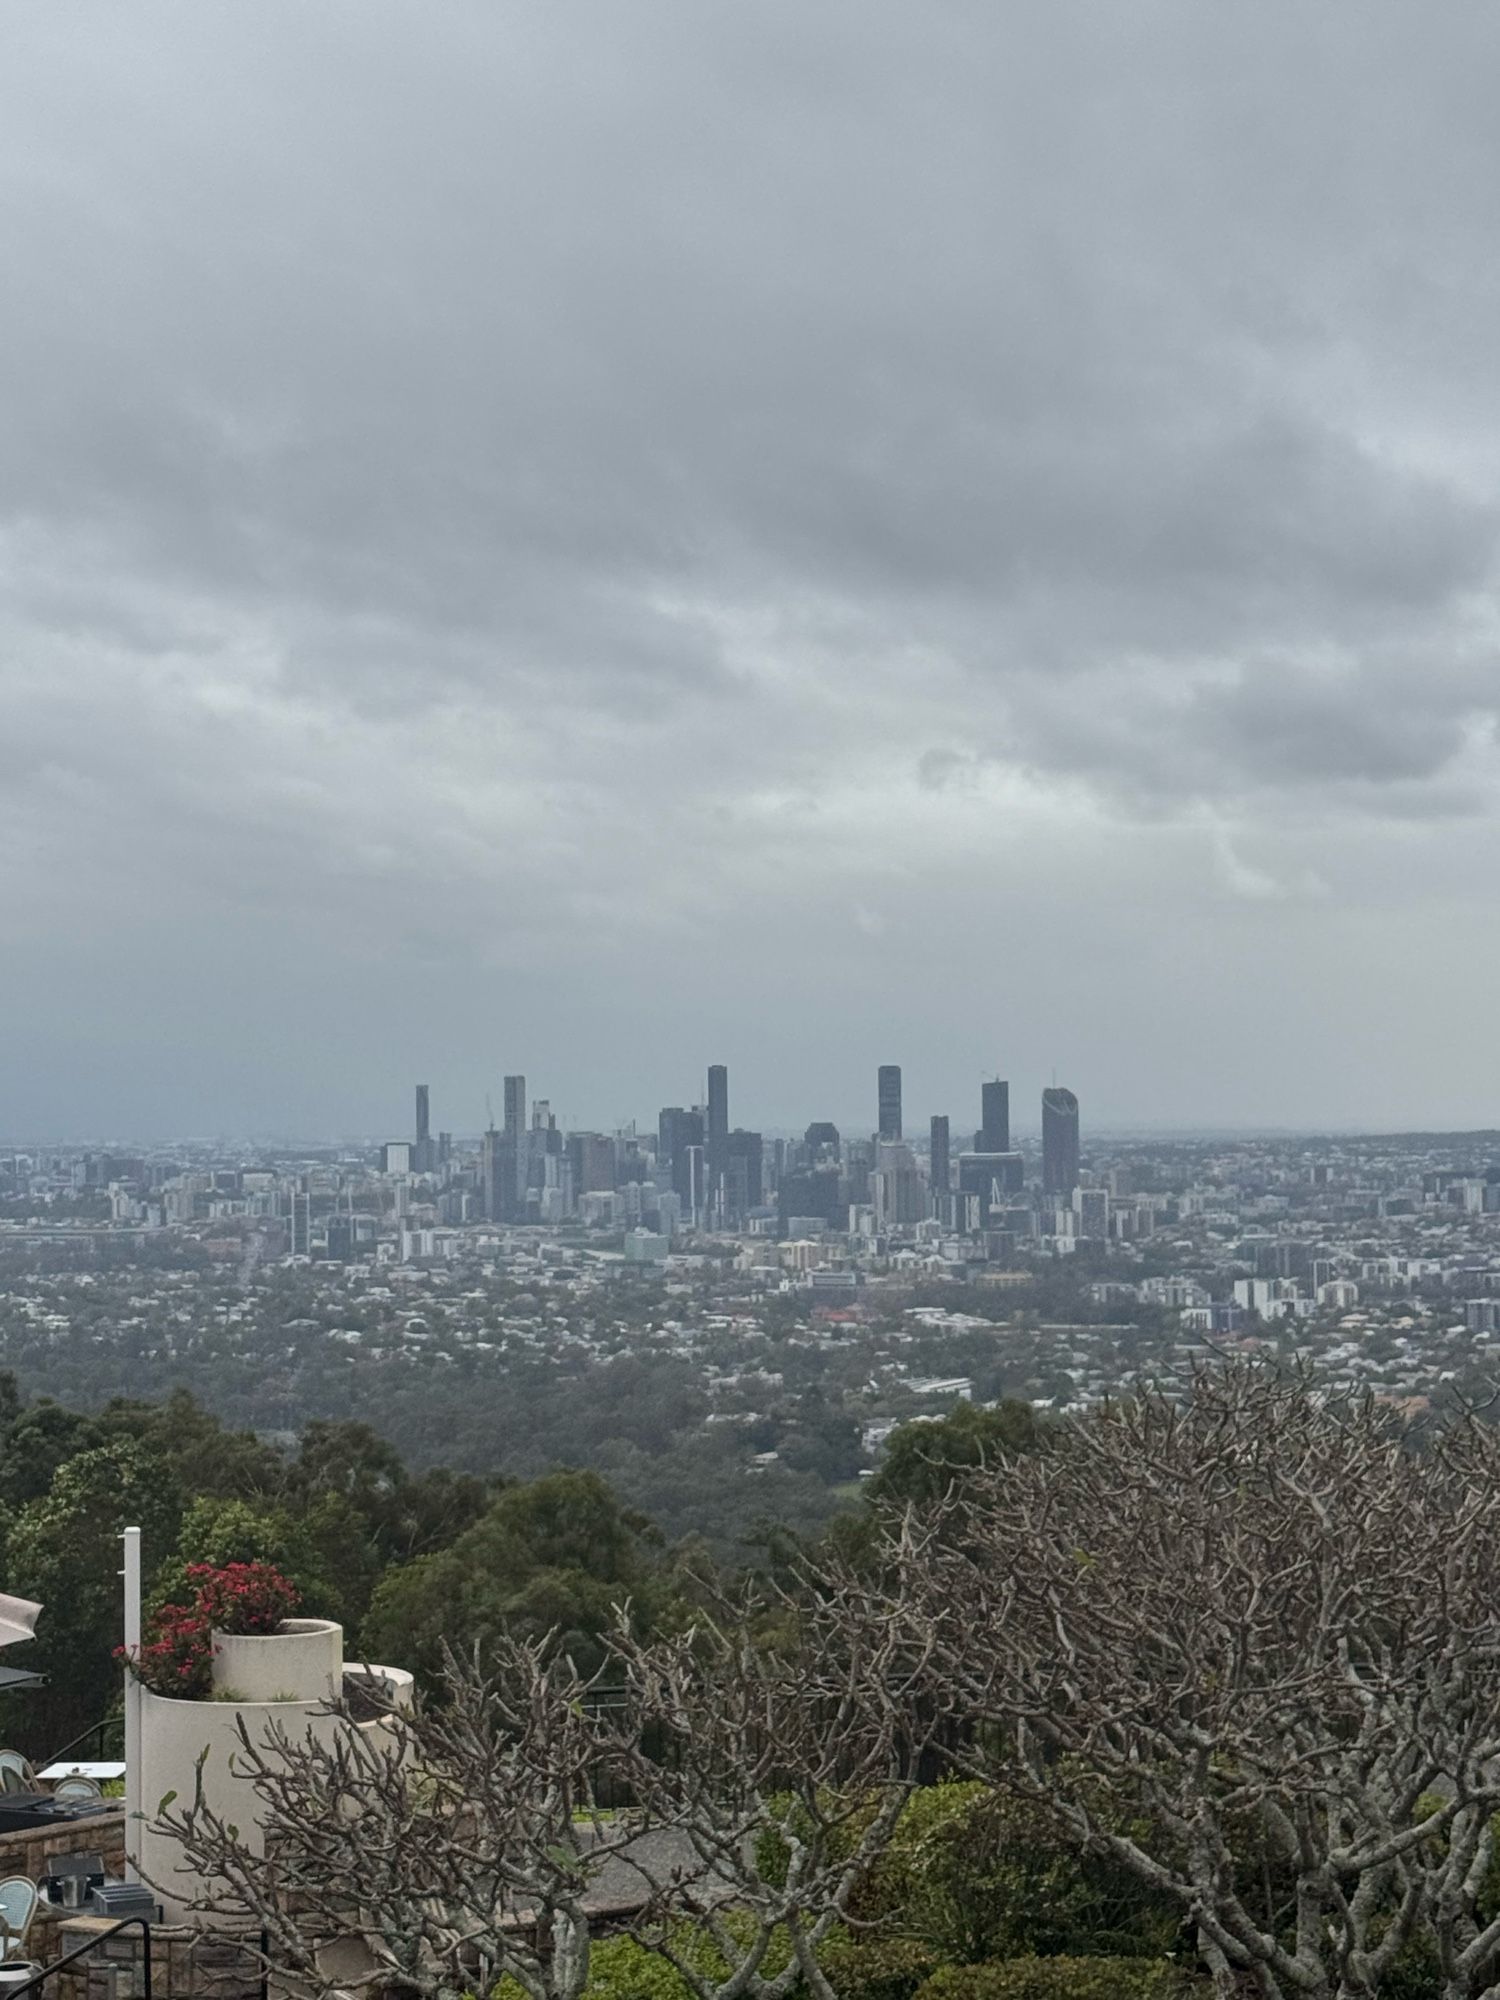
column 489, row 1113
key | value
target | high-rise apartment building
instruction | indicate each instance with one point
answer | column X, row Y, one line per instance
column 994, row 1128
column 896, row 1191
column 695, row 1166
column 940, row 1155
column 744, row 1174
column 424, row 1152
column 676, row 1130
column 888, row 1097
column 716, row 1126
column 1059, row 1141
column 990, row 1179
column 821, row 1141
column 1091, row 1206
column 494, row 1160
column 591, row 1155
column 812, row 1193
column 515, row 1171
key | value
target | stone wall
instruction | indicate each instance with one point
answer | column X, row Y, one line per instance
column 31, row 1851
column 186, row 1964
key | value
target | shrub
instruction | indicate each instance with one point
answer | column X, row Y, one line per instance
column 978, row 1876
column 175, row 1657
column 875, row 1968
column 621, row 1969
column 242, row 1597
column 1061, row 1979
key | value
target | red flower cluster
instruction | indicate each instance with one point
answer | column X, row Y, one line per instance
column 176, row 1655
column 243, row 1597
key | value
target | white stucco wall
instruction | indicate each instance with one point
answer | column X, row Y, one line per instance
column 305, row 1658
column 174, row 1734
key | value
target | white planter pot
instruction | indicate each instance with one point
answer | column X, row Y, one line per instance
column 302, row 1661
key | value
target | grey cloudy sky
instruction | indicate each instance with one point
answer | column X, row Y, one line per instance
column 596, row 538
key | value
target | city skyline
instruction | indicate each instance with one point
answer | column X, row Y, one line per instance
column 1025, row 1127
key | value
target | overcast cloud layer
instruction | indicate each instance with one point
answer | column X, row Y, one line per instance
column 596, row 538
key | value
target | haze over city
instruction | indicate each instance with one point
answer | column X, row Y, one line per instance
column 591, row 541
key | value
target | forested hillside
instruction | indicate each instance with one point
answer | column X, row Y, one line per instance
column 405, row 1561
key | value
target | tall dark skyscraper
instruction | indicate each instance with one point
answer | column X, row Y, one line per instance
column 424, row 1153
column 592, row 1158
column 516, row 1154
column 1059, row 1141
column 941, row 1158
column 744, row 1173
column 494, row 1161
column 716, row 1130
column 888, row 1091
column 994, row 1130
column 677, row 1131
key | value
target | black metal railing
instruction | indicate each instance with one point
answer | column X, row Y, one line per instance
column 46, row 1972
column 96, row 1735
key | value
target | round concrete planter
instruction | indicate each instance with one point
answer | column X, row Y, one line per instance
column 280, row 1678
column 303, row 1660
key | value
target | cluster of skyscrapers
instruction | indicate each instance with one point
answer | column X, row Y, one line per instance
column 697, row 1172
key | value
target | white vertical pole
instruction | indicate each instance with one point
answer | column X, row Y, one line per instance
column 132, row 1575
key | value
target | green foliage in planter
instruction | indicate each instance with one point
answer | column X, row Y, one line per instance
column 1063, row 1979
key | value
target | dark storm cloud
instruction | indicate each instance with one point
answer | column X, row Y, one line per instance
column 502, row 479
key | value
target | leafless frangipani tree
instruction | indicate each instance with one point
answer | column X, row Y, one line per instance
column 1245, row 1640
column 469, row 1839
column 435, row 1853
column 780, row 1770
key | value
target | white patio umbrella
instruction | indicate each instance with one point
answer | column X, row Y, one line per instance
column 18, row 1616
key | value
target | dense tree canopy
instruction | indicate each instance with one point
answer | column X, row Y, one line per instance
column 922, row 1460
column 406, row 1563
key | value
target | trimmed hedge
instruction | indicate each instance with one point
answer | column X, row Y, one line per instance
column 1061, row 1979
column 621, row 1969
column 875, row 1968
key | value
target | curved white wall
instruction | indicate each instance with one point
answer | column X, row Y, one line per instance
column 399, row 1687
column 305, row 1659
column 174, row 1735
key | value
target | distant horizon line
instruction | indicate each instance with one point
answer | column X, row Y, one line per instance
column 1141, row 1131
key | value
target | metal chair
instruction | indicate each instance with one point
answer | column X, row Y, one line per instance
column 16, row 1775
column 18, row 1901
column 78, row 1788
